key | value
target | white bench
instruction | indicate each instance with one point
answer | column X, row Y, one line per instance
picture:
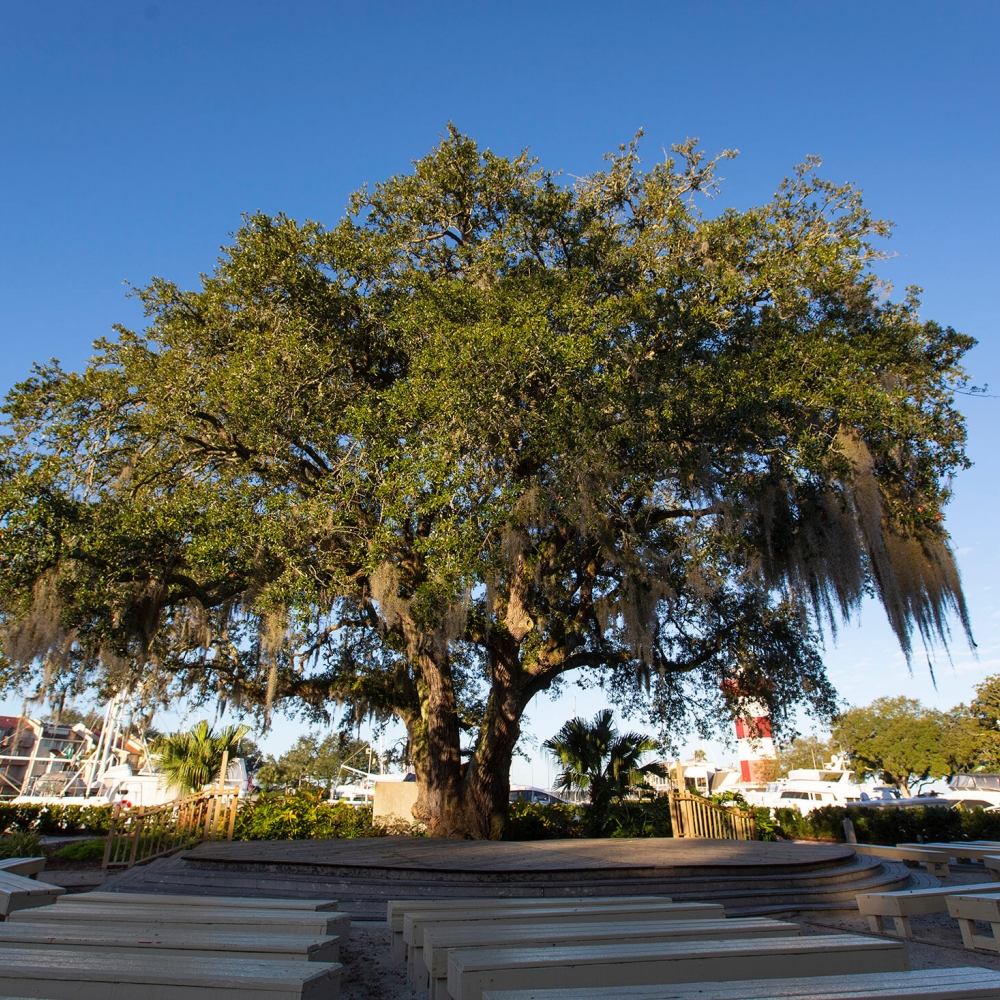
column 920, row 984
column 275, row 921
column 396, row 908
column 18, row 893
column 472, row 971
column 992, row 863
column 241, row 902
column 936, row 862
column 906, row 903
column 958, row 849
column 440, row 941
column 28, row 867
column 72, row 975
column 170, row 938
column 416, row 921
column 967, row 909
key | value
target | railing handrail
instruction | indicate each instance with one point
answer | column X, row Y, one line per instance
column 695, row 816
column 146, row 832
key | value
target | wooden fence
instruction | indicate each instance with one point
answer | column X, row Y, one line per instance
column 694, row 816
column 148, row 832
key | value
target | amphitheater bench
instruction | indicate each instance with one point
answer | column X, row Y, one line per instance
column 439, row 942
column 936, row 862
column 414, row 922
column 73, row 975
column 958, row 849
column 472, row 971
column 252, row 921
column 906, row 903
column 170, row 939
column 18, row 893
column 920, row 984
column 967, row 909
column 28, row 867
column 240, row 902
column 397, row 908
column 992, row 863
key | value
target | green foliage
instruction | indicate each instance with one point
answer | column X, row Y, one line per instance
column 804, row 752
column 308, row 817
column 648, row 818
column 488, row 430
column 20, row 844
column 54, row 819
column 604, row 763
column 193, row 759
column 310, row 759
column 892, row 825
column 82, row 850
column 535, row 821
column 897, row 739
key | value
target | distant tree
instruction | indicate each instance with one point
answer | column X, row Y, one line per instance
column 193, row 759
column 896, row 739
column 804, row 752
column 597, row 759
column 972, row 732
column 314, row 761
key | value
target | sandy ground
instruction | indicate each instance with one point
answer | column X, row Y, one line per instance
column 937, row 944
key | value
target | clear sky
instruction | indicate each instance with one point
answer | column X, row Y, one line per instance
column 133, row 136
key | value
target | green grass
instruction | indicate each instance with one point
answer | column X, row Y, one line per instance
column 82, row 850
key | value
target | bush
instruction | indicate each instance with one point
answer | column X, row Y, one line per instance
column 82, row 850
column 647, row 818
column 93, row 820
column 891, row 825
column 534, row 821
column 20, row 844
column 304, row 817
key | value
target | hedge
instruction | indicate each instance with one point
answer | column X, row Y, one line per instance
column 94, row 820
column 304, row 817
column 892, row 825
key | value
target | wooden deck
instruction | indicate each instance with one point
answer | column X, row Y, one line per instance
column 650, row 855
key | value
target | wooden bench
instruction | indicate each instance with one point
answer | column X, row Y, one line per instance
column 474, row 970
column 170, row 938
column 414, row 922
column 906, row 903
column 18, row 893
column 992, row 864
column 73, row 975
column 967, row 909
column 28, row 867
column 242, row 902
column 936, row 862
column 396, row 908
column 441, row 940
column 275, row 921
column 959, row 849
column 920, row 984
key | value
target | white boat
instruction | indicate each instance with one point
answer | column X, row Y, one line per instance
column 806, row 789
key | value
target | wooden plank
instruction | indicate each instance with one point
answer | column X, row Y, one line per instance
column 170, row 938
column 18, row 893
column 967, row 909
column 439, row 942
column 70, row 975
column 22, row 866
column 936, row 862
column 239, row 902
column 281, row 921
column 906, row 903
column 415, row 921
column 957, row 849
column 396, row 909
column 920, row 984
column 472, row 971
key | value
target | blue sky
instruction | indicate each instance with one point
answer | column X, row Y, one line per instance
column 135, row 134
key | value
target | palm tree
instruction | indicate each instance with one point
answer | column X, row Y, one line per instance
column 191, row 760
column 599, row 760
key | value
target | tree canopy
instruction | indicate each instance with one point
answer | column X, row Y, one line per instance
column 489, row 430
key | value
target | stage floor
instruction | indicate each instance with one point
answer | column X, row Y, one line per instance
column 468, row 856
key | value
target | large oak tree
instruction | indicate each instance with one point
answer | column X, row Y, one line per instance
column 489, row 430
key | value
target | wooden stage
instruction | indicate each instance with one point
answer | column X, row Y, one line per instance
column 644, row 857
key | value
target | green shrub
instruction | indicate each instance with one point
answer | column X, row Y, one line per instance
column 82, row 850
column 55, row 819
column 20, row 844
column 891, row 825
column 535, row 821
column 305, row 817
column 647, row 818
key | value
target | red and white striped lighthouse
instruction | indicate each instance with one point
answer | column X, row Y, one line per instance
column 755, row 745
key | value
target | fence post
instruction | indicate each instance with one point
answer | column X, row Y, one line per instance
column 112, row 828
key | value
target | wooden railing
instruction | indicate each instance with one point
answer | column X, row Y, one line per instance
column 148, row 832
column 694, row 816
